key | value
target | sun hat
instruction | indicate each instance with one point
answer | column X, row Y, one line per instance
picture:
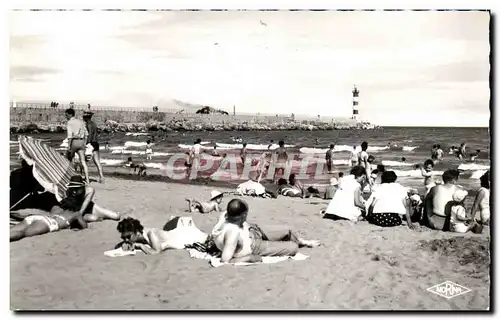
column 76, row 182
column 215, row 194
column 460, row 195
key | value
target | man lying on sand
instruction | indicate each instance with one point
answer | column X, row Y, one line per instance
column 206, row 207
column 79, row 198
column 240, row 241
column 38, row 224
column 287, row 190
column 153, row 240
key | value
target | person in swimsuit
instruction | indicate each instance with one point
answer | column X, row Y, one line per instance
column 354, row 157
column 482, row 200
column 460, row 222
column 152, row 240
column 93, row 140
column 79, row 198
column 38, row 224
column 329, row 158
column 427, row 173
column 281, row 160
column 287, row 190
column 215, row 153
column 439, row 153
column 363, row 161
column 206, row 207
column 437, row 199
column 270, row 144
column 139, row 167
column 240, row 241
column 149, row 150
column 473, row 156
column 243, row 153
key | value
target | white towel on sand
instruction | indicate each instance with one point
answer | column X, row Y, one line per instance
column 120, row 253
column 215, row 261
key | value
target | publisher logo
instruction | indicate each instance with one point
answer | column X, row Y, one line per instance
column 448, row 289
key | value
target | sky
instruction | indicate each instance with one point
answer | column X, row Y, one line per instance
column 412, row 68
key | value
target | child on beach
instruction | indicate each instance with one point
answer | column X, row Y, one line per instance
column 459, row 220
column 427, row 173
column 139, row 167
column 206, row 207
column 149, row 150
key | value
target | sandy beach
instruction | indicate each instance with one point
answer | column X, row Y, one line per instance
column 360, row 266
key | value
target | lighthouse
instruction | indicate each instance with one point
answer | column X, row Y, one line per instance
column 355, row 103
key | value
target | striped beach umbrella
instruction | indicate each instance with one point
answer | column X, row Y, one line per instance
column 50, row 168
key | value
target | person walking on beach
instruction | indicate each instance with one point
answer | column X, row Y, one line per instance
column 77, row 139
column 194, row 156
column 363, row 161
column 94, row 142
column 240, row 241
column 281, row 160
column 149, row 150
column 329, row 158
column 243, row 153
column 354, row 156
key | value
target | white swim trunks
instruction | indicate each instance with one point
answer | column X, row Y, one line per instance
column 50, row 222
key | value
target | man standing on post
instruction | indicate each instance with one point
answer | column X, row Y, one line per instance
column 94, row 142
column 77, row 140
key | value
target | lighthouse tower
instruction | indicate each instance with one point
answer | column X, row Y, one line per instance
column 355, row 103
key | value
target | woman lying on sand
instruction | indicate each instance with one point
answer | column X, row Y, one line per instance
column 153, row 240
column 287, row 190
column 206, row 207
column 79, row 198
column 240, row 241
column 38, row 224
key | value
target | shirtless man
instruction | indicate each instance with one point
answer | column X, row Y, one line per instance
column 438, row 198
column 240, row 241
column 38, row 224
column 426, row 171
column 206, row 207
column 243, row 153
column 363, row 161
column 329, row 158
column 281, row 159
column 151, row 240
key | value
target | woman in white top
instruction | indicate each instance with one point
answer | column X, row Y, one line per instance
column 240, row 241
column 348, row 203
column 389, row 202
column 482, row 200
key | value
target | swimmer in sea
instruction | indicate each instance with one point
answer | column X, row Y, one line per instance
column 427, row 173
column 403, row 159
column 206, row 207
column 139, row 167
column 473, row 156
column 270, row 144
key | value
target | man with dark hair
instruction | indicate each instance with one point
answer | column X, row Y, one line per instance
column 93, row 141
column 364, row 160
column 437, row 199
column 77, row 139
column 329, row 158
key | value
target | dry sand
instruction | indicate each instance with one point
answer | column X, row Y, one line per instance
column 360, row 266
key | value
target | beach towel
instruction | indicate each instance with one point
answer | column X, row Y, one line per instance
column 50, row 168
column 250, row 188
column 215, row 262
column 120, row 253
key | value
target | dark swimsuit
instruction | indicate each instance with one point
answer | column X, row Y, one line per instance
column 74, row 201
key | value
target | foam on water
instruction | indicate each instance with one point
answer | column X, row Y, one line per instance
column 341, row 148
column 390, row 163
column 473, row 166
column 414, row 173
column 133, row 144
column 111, row 162
column 137, row 152
column 250, row 146
column 135, row 134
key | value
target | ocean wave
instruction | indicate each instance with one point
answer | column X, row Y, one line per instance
column 414, row 173
column 250, row 146
column 137, row 152
column 134, row 144
column 135, row 134
column 477, row 174
column 389, row 163
column 341, row 148
column 111, row 162
column 473, row 167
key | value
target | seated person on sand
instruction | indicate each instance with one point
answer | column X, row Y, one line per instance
column 153, row 240
column 206, row 207
column 332, row 187
column 389, row 203
column 240, row 241
column 79, row 198
column 38, row 224
column 348, row 202
column 306, row 192
column 139, row 167
column 284, row 189
column 482, row 200
column 460, row 222
column 473, row 156
column 434, row 215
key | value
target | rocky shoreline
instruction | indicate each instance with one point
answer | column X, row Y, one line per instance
column 183, row 126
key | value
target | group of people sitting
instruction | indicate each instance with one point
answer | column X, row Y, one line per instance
column 390, row 203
